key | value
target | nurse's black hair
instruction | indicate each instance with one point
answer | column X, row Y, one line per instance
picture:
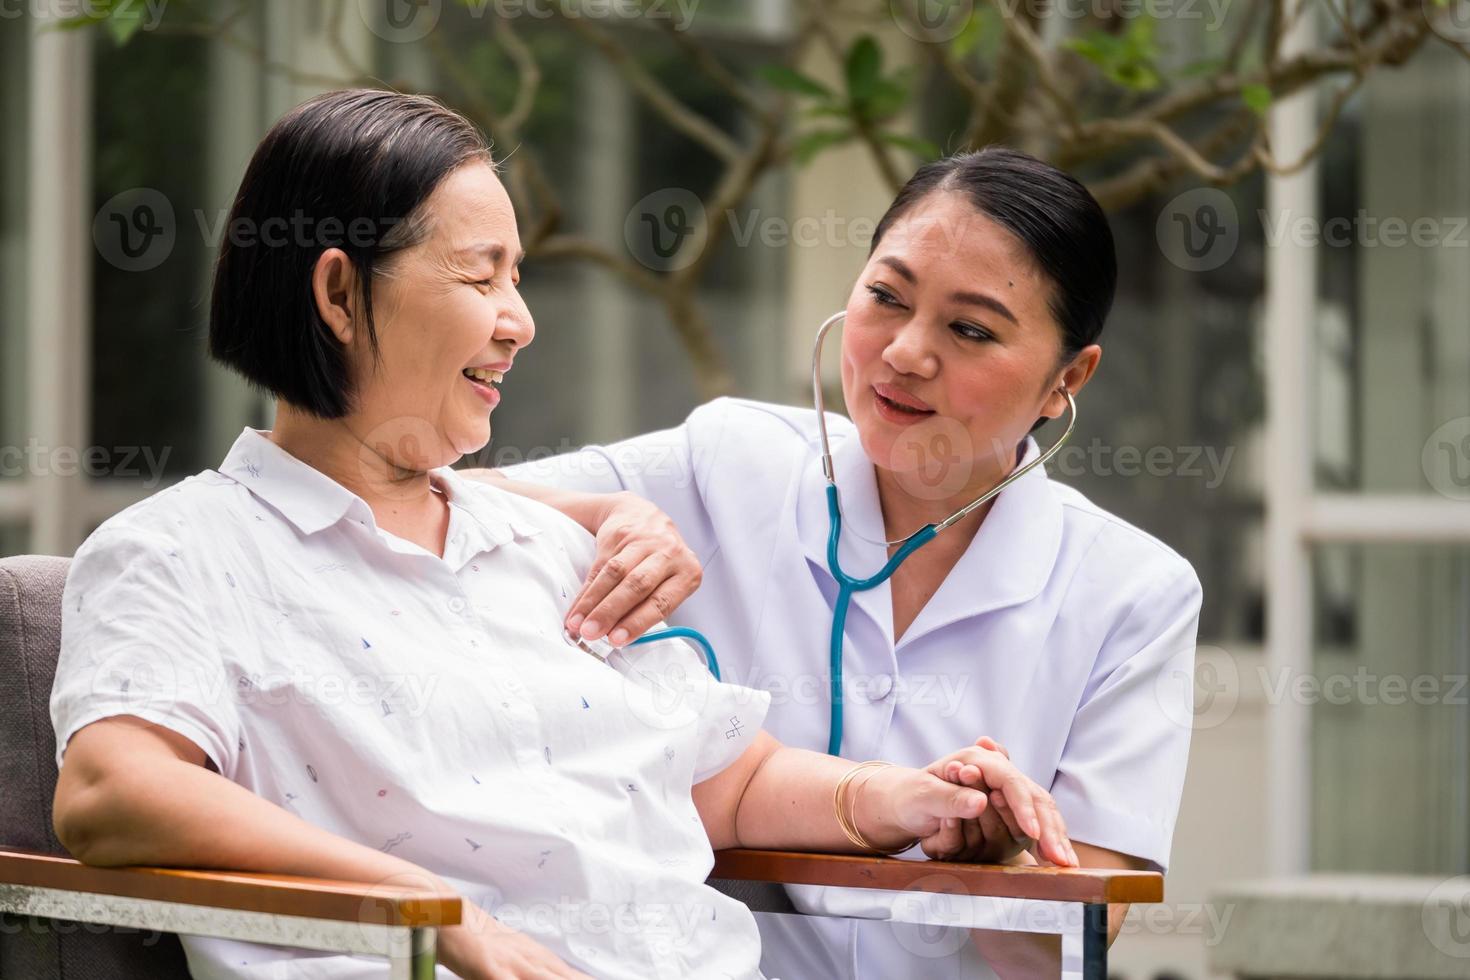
column 350, row 170
column 1061, row 224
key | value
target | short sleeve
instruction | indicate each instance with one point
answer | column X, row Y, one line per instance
column 668, row 467
column 681, row 689
column 135, row 641
column 1121, row 773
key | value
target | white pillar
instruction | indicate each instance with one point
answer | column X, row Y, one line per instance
column 58, row 270
column 1290, row 319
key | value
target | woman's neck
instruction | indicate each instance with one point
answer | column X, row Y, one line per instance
column 905, row 511
column 331, row 446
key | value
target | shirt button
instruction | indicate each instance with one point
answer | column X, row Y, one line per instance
column 882, row 687
column 456, row 604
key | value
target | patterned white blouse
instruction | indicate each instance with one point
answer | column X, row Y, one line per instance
column 422, row 705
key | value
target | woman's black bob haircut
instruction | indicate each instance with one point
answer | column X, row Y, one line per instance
column 1058, row 221
column 349, row 170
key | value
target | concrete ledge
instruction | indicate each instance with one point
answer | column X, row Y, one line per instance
column 1347, row 926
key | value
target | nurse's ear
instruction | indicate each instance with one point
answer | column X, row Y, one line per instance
column 1074, row 377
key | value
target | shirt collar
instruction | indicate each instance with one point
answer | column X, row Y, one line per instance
column 1009, row 560
column 313, row 501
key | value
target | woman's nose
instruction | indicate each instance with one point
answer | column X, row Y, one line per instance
column 908, row 352
column 515, row 325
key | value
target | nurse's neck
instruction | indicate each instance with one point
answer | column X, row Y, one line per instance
column 403, row 501
column 909, row 501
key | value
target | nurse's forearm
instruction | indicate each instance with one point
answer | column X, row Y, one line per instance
column 587, row 509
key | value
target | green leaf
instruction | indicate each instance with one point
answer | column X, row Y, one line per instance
column 122, row 26
column 810, row 144
column 1257, row 97
column 791, row 80
column 964, row 42
column 1128, row 59
column 864, row 68
column 920, row 147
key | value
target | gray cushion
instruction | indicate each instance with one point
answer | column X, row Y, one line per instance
column 30, row 639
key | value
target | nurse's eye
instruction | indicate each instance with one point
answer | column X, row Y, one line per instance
column 971, row 332
column 883, row 297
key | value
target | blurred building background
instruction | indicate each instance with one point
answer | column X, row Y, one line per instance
column 1306, row 400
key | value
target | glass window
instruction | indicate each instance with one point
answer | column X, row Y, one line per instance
column 1390, row 725
column 14, row 193
column 149, row 311
column 1393, row 363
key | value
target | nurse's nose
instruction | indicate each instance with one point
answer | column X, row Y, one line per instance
column 909, row 351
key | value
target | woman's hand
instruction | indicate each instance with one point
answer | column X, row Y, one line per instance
column 1020, row 815
column 642, row 572
column 894, row 804
column 481, row 948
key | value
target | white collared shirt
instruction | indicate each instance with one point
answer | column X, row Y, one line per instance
column 426, row 706
column 1062, row 631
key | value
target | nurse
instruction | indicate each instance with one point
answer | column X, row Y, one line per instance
column 1039, row 620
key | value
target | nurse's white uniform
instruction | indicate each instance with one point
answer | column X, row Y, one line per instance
column 1063, row 632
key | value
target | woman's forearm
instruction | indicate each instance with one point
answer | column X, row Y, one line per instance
column 587, row 509
column 172, row 813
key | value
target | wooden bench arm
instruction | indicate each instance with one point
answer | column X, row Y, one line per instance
column 239, row 891
column 1085, row 885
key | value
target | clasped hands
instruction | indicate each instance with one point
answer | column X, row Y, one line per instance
column 1018, row 815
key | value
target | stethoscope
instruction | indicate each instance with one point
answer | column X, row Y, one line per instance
column 846, row 584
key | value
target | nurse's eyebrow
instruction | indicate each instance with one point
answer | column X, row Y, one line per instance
column 973, row 299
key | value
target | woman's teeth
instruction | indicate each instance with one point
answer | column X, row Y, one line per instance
column 482, row 375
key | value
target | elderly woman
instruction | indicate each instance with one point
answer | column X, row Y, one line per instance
column 334, row 657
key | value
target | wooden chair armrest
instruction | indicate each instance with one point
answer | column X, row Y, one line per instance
column 240, row 891
column 1087, row 885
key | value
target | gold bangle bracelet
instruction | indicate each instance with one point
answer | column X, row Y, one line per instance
column 848, row 821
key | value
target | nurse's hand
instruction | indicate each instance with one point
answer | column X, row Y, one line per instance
column 482, row 948
column 642, row 572
column 1021, row 814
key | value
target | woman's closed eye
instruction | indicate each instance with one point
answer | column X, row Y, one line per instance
column 883, row 297
column 970, row 331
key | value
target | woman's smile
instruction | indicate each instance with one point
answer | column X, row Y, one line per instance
column 898, row 406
